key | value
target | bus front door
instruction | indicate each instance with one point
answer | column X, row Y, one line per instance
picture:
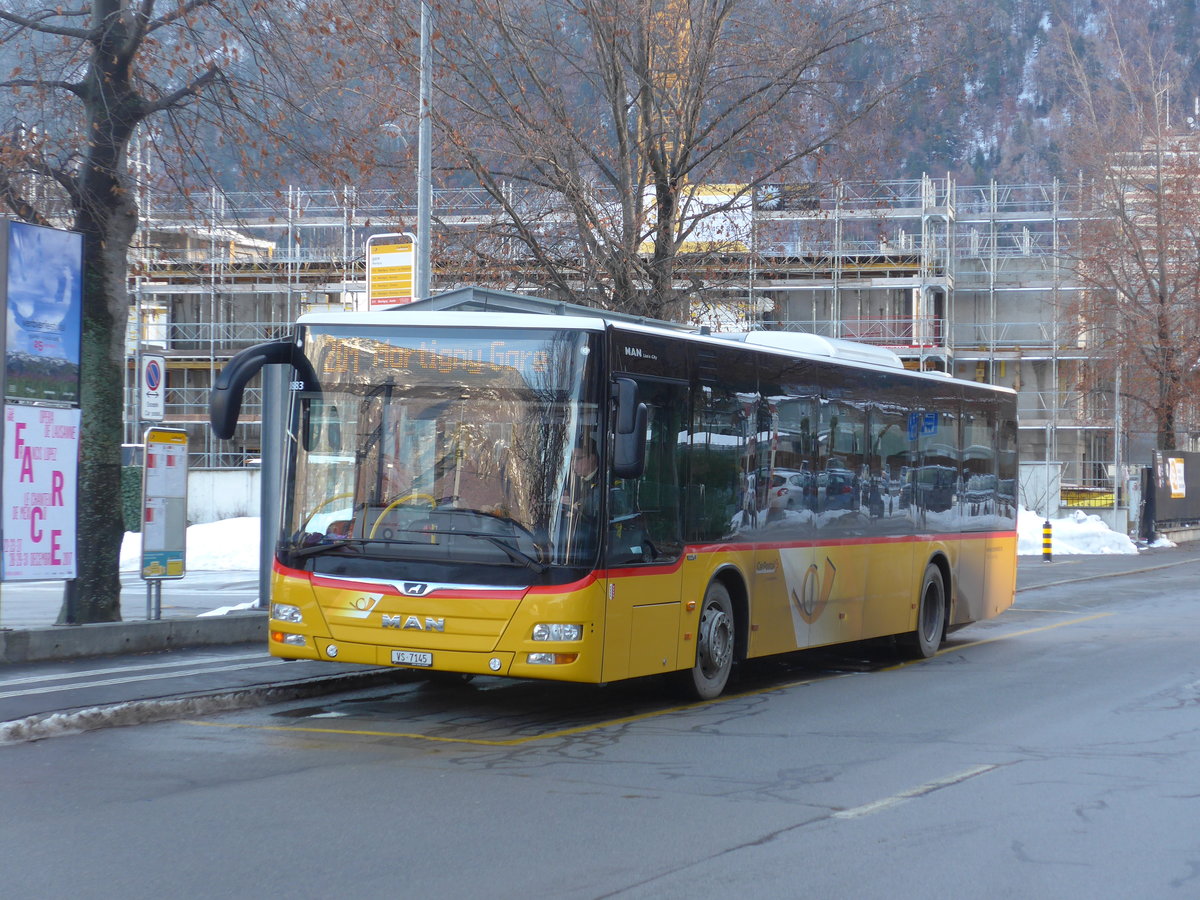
column 643, row 544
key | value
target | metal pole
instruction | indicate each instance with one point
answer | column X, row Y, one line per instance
column 1047, row 543
column 1117, row 448
column 275, row 397
column 424, row 179
column 1048, row 429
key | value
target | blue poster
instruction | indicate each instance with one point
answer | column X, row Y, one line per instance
column 44, row 285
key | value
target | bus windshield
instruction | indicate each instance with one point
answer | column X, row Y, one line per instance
column 448, row 445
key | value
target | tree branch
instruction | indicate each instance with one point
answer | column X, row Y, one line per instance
column 197, row 84
column 18, row 203
column 171, row 17
column 69, row 86
column 39, row 25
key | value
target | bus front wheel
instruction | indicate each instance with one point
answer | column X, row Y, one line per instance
column 931, row 616
column 714, row 644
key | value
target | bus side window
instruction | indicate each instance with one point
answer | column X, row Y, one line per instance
column 644, row 513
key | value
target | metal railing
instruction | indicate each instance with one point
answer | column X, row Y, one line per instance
column 1006, row 335
column 221, row 338
column 907, row 334
column 278, row 207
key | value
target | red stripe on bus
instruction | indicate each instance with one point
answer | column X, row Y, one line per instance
column 853, row 542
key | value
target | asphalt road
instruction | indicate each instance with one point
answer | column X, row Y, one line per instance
column 1050, row 753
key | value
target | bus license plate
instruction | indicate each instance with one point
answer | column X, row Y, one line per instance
column 411, row 658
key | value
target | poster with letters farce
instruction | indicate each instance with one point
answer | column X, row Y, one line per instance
column 41, row 461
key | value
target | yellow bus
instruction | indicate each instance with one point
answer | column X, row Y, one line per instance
column 586, row 499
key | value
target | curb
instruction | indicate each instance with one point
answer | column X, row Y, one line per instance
column 142, row 712
column 109, row 638
column 1101, row 575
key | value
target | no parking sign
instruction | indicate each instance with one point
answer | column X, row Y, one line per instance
column 154, row 388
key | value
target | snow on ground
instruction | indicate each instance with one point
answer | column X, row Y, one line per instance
column 228, row 545
column 1076, row 533
column 232, row 544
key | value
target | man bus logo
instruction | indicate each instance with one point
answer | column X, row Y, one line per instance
column 412, row 623
column 414, row 589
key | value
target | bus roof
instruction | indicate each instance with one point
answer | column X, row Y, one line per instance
column 793, row 343
column 456, row 319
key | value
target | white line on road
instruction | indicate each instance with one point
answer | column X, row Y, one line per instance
column 88, row 673
column 927, row 788
column 50, row 689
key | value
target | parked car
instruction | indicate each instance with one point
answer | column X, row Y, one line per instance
column 840, row 489
column 787, row 488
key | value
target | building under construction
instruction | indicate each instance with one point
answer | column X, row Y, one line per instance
column 975, row 280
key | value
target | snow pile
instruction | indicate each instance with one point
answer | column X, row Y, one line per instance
column 1078, row 533
column 228, row 545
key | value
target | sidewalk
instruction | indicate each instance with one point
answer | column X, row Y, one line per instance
column 1033, row 572
column 197, row 610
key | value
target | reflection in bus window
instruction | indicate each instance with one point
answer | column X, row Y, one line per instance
column 466, row 454
column 645, row 513
column 978, row 499
column 717, row 457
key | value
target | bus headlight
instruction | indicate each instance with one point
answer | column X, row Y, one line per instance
column 285, row 612
column 548, row 631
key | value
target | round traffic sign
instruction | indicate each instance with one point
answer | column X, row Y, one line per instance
column 153, row 375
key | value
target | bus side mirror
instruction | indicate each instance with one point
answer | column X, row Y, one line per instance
column 225, row 399
column 629, row 444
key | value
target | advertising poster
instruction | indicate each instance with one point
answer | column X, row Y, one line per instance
column 44, row 304
column 41, row 450
column 1175, row 477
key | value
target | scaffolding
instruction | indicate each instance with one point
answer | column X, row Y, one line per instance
column 973, row 280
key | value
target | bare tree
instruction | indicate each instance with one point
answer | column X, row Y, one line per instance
column 1139, row 254
column 78, row 83
column 624, row 141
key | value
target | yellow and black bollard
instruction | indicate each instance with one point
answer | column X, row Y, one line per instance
column 1046, row 554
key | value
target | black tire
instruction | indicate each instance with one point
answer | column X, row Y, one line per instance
column 931, row 617
column 715, row 641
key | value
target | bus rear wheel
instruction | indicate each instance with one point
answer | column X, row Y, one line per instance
column 931, row 616
column 714, row 644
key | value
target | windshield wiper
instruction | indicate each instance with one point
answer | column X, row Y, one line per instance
column 314, row 549
column 512, row 552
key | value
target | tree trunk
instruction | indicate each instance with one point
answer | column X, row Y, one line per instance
column 107, row 219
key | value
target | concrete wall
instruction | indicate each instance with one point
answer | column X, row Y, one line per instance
column 215, row 494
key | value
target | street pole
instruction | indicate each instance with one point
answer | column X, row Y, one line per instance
column 1047, row 545
column 1117, row 426
column 424, row 178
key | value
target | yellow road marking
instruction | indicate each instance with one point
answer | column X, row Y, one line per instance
column 625, row 720
column 505, row 742
column 999, row 637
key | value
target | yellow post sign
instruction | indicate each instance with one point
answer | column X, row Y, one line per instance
column 164, row 504
column 390, row 267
